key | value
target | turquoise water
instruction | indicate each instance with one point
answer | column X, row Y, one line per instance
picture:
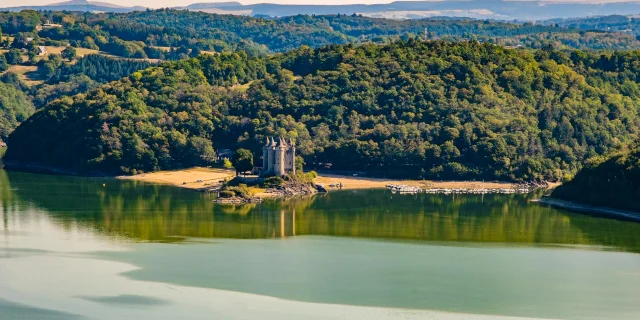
column 101, row 248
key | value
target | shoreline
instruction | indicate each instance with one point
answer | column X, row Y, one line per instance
column 356, row 183
column 605, row 212
column 40, row 169
column 212, row 179
column 208, row 179
column 197, row 178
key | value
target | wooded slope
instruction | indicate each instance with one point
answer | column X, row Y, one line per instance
column 614, row 182
column 412, row 109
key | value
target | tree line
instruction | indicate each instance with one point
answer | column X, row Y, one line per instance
column 15, row 108
column 412, row 109
column 171, row 34
column 611, row 182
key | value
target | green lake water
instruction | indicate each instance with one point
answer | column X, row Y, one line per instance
column 87, row 248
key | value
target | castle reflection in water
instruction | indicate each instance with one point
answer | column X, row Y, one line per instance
column 147, row 212
column 279, row 224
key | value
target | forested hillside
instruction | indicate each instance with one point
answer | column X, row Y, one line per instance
column 171, row 34
column 622, row 23
column 63, row 79
column 14, row 108
column 414, row 109
column 510, row 10
column 614, row 182
column 103, row 46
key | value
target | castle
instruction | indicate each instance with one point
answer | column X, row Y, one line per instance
column 278, row 158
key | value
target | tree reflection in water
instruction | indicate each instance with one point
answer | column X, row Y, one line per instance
column 160, row 213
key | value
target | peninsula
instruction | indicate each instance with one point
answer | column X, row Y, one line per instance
column 606, row 186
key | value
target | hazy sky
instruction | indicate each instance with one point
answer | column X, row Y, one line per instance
column 173, row 3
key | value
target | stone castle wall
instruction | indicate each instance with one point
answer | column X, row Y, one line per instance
column 278, row 157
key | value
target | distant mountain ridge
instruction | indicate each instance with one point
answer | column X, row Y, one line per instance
column 88, row 3
column 209, row 5
column 79, row 5
column 490, row 9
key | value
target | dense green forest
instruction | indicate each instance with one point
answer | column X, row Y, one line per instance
column 377, row 98
column 409, row 108
column 14, row 109
column 63, row 79
column 67, row 78
column 184, row 28
column 620, row 23
column 15, row 22
column 171, row 34
column 175, row 34
column 98, row 68
column 612, row 182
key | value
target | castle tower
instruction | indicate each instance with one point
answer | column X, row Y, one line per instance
column 290, row 161
column 272, row 156
column 279, row 157
column 265, row 156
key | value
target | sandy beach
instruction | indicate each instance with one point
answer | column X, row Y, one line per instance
column 351, row 183
column 194, row 178
column 211, row 179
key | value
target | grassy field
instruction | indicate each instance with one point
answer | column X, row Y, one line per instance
column 243, row 87
column 81, row 51
column 165, row 49
column 28, row 74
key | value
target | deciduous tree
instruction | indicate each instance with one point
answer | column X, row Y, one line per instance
column 242, row 160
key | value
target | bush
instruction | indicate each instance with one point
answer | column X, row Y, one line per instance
column 304, row 177
column 272, row 182
column 69, row 53
column 312, row 174
column 227, row 194
column 13, row 56
column 241, row 190
column 3, row 64
column 227, row 164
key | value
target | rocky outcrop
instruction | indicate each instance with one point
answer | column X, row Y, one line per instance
column 293, row 188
